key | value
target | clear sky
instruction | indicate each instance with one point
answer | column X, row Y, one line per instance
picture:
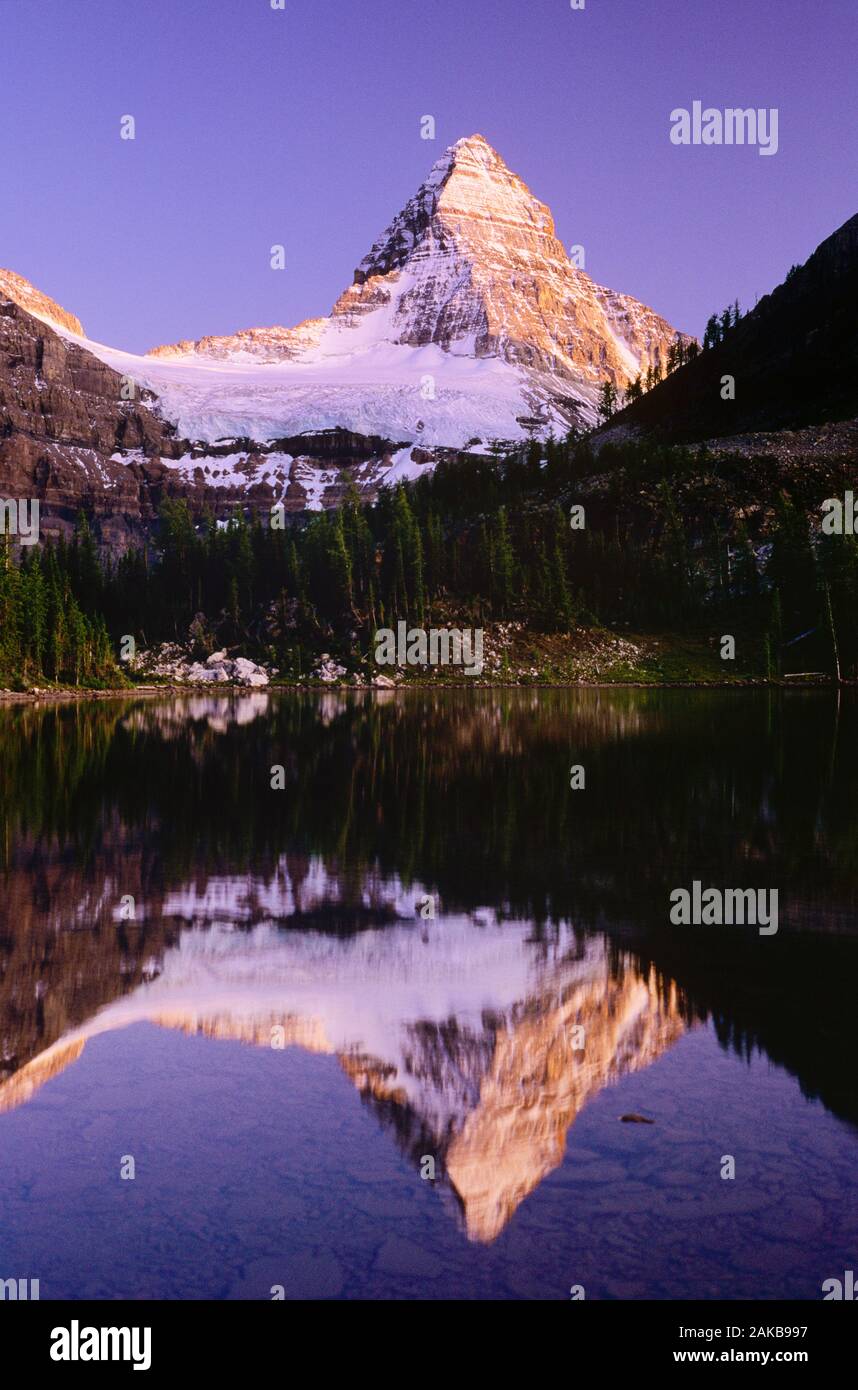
column 302, row 127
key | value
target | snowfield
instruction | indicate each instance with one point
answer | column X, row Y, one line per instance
column 405, row 394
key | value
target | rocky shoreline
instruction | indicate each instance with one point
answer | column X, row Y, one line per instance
column 304, row 686
column 515, row 659
column 172, row 663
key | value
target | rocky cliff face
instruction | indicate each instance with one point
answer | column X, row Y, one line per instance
column 66, row 433
column 69, row 439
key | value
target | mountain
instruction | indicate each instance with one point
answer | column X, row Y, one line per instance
column 794, row 359
column 465, row 324
column 466, row 320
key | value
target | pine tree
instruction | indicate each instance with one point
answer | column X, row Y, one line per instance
column 504, row 565
column 561, row 599
column 792, row 566
column 404, row 590
column 712, row 335
column 607, row 401
column 34, row 614
column 635, row 390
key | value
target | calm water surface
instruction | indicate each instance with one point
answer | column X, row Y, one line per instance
column 245, row 991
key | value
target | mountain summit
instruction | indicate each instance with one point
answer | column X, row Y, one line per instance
column 466, row 319
column 486, row 270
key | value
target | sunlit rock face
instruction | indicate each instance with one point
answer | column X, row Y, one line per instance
column 476, row 1040
column 537, row 1082
column 473, row 260
column 15, row 288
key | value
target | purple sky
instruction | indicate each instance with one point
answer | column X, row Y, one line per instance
column 302, row 127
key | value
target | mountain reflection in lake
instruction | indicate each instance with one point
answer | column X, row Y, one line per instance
column 205, row 974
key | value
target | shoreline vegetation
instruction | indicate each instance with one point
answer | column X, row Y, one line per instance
column 644, row 565
column 584, row 659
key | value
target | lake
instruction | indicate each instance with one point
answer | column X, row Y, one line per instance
column 345, row 995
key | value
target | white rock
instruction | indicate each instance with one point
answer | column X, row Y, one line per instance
column 328, row 670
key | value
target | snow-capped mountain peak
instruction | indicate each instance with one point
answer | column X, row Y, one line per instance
column 466, row 324
column 469, row 290
column 468, row 188
column 483, row 270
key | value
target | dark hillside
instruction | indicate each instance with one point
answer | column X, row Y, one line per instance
column 794, row 359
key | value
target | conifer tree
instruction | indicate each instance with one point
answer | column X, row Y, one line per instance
column 607, row 401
